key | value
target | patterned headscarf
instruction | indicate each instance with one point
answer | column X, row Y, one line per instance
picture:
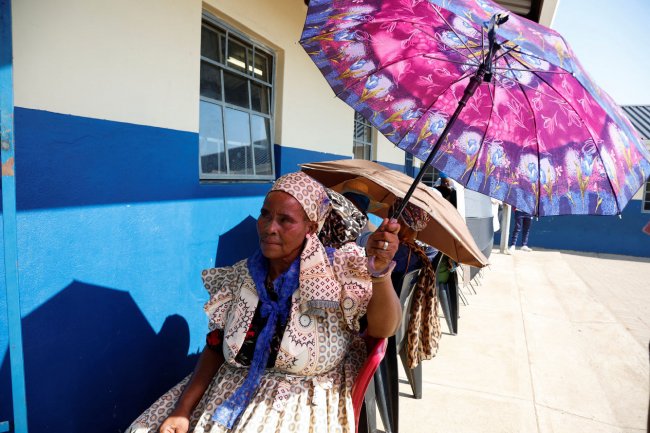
column 310, row 194
column 344, row 223
column 414, row 216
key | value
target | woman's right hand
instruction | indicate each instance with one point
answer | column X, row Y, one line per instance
column 175, row 424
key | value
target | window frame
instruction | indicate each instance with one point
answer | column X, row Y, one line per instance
column 221, row 27
column 645, row 199
column 371, row 144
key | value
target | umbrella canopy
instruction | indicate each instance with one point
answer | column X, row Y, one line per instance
column 531, row 128
column 446, row 230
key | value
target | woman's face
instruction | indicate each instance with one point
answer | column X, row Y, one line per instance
column 282, row 227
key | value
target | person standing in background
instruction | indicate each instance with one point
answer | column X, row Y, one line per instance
column 523, row 222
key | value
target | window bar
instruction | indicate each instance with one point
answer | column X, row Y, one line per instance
column 250, row 128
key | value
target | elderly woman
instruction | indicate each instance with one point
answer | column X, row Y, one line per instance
column 284, row 348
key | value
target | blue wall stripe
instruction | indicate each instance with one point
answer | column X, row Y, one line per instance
column 7, row 146
column 114, row 229
column 590, row 233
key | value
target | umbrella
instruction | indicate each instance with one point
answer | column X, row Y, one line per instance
column 446, row 230
column 497, row 102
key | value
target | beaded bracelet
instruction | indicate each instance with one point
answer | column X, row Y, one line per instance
column 374, row 273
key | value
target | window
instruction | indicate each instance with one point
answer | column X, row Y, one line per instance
column 236, row 106
column 430, row 175
column 362, row 144
column 645, row 203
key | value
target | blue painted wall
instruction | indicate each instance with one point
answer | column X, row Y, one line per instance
column 114, row 229
column 599, row 234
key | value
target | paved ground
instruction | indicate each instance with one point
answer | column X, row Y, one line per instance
column 552, row 342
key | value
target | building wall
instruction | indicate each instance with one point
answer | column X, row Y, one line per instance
column 114, row 226
column 588, row 233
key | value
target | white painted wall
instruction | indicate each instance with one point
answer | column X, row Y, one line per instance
column 138, row 62
column 308, row 114
column 130, row 61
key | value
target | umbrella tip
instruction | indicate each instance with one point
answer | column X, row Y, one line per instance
column 501, row 18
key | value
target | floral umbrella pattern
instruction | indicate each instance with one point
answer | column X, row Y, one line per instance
column 540, row 135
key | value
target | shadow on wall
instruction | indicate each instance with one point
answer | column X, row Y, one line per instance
column 237, row 243
column 93, row 362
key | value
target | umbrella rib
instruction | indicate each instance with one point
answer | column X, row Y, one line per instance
column 539, row 58
column 527, row 86
column 475, row 62
column 459, row 38
column 524, row 69
column 539, row 165
column 593, row 137
column 504, row 53
column 377, row 70
column 430, row 56
column 429, row 108
column 417, row 24
column 484, row 134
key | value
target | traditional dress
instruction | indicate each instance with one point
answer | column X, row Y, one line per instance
column 308, row 389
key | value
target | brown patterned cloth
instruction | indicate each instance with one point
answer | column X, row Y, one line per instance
column 414, row 217
column 343, row 224
column 423, row 334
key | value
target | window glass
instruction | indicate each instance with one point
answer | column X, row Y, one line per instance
column 238, row 139
column 261, row 131
column 210, row 81
column 362, row 138
column 259, row 98
column 237, row 58
column 211, row 148
column 261, row 67
column 236, row 115
column 210, row 44
column 236, row 89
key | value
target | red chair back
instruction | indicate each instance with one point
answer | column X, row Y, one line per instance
column 376, row 351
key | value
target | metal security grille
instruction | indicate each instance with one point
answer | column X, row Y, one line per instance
column 236, row 105
column 431, row 174
column 362, row 142
column 646, row 198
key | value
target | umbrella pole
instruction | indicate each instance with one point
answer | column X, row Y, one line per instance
column 474, row 82
column 484, row 73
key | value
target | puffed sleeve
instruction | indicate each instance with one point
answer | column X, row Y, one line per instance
column 351, row 268
column 220, row 284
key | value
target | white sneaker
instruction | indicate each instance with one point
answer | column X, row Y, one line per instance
column 526, row 249
column 511, row 250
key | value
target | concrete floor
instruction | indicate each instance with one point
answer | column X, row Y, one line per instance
column 552, row 342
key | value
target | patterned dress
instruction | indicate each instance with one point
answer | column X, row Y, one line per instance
column 309, row 389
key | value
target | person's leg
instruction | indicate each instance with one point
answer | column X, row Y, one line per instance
column 517, row 229
column 526, row 222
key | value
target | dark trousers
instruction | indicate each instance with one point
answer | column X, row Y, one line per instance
column 522, row 225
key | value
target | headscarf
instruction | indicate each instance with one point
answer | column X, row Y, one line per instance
column 415, row 217
column 312, row 197
column 343, row 224
column 310, row 194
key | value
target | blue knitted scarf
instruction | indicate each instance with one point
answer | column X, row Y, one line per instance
column 285, row 285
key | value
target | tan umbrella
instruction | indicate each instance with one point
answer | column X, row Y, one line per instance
column 446, row 230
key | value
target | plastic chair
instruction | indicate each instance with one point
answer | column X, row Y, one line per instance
column 386, row 377
column 448, row 295
column 414, row 375
column 376, row 351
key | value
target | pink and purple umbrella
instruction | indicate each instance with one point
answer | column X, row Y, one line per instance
column 499, row 103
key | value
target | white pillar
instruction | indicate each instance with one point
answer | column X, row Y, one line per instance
column 505, row 228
